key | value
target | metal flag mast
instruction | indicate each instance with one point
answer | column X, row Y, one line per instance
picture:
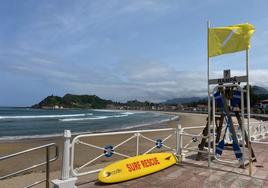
column 209, row 111
column 248, row 114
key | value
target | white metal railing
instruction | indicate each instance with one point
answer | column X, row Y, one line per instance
column 178, row 147
column 110, row 150
column 194, row 137
column 258, row 130
column 46, row 163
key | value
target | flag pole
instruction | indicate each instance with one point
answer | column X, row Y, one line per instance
column 209, row 115
column 248, row 116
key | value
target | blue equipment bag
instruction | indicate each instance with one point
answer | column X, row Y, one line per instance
column 218, row 99
column 236, row 100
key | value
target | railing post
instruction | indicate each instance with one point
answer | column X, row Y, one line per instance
column 47, row 166
column 138, row 143
column 66, row 181
column 178, row 143
column 65, row 171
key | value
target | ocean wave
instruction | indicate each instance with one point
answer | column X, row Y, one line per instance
column 124, row 114
column 83, row 119
column 43, row 116
column 118, row 111
column 127, row 127
column 170, row 119
column 106, row 110
column 127, row 113
column 11, row 138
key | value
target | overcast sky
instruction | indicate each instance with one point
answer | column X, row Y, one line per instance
column 118, row 49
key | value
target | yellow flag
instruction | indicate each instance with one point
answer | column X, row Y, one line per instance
column 223, row 40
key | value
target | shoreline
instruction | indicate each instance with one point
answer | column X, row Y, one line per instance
column 25, row 138
column 185, row 119
column 83, row 154
column 13, row 146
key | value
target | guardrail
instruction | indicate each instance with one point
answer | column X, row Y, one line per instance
column 194, row 138
column 258, row 130
column 47, row 163
column 110, row 150
column 71, row 165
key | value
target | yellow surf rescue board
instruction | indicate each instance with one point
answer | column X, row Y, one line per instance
column 135, row 167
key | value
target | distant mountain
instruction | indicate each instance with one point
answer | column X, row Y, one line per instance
column 257, row 93
column 92, row 101
column 183, row 100
column 257, row 90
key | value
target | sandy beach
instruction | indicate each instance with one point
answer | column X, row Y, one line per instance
column 85, row 153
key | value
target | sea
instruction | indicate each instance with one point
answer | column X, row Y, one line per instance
column 23, row 123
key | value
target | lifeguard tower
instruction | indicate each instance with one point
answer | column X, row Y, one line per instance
column 227, row 96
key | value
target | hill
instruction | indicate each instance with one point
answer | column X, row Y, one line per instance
column 73, row 101
column 259, row 90
column 92, row 101
column 257, row 94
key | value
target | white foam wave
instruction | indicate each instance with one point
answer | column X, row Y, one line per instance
column 43, row 116
column 141, row 125
column 83, row 119
column 119, row 111
column 11, row 138
column 170, row 119
column 105, row 110
column 175, row 118
column 125, row 114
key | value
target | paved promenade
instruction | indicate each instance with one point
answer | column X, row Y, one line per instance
column 192, row 173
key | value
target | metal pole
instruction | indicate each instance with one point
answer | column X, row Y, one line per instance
column 138, row 143
column 65, row 170
column 47, row 166
column 178, row 140
column 214, row 123
column 209, row 122
column 242, row 125
column 180, row 143
column 248, row 118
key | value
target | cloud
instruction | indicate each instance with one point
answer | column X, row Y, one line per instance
column 143, row 80
column 120, row 50
column 148, row 5
column 156, row 82
column 259, row 77
column 129, row 79
column 77, row 17
column 42, row 61
column 47, row 73
column 36, row 67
